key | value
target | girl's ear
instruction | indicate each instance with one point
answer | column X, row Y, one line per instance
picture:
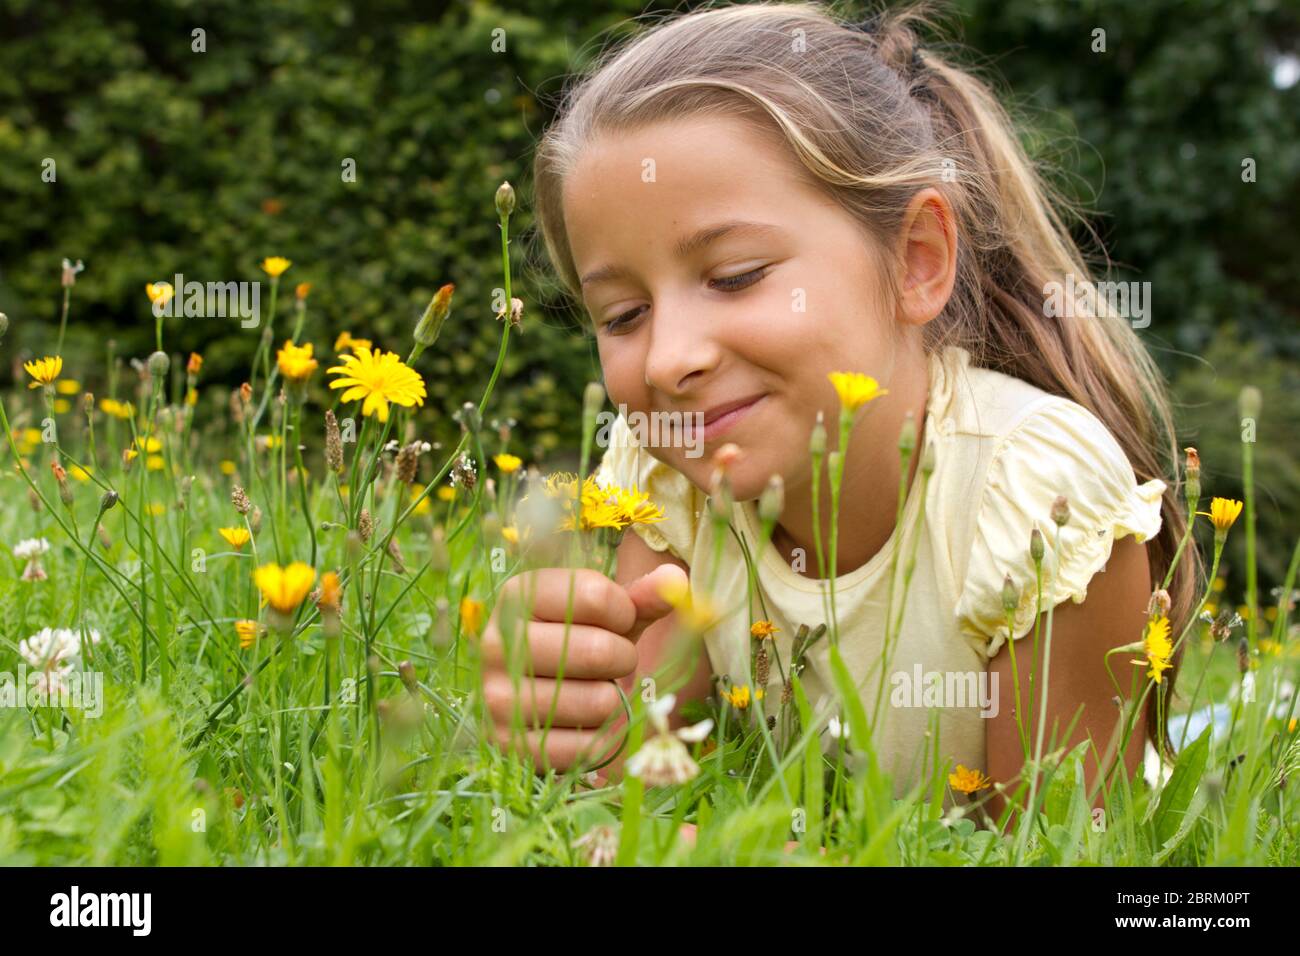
column 927, row 257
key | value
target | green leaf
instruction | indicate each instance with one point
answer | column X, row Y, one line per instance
column 1178, row 792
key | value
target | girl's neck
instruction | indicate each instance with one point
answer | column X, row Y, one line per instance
column 868, row 490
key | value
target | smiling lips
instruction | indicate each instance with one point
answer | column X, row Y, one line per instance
column 721, row 418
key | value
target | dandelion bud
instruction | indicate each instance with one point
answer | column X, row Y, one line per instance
column 88, row 404
column 1036, row 548
column 255, row 520
column 333, row 444
column 1010, row 596
column 158, row 364
column 817, row 443
column 435, row 314
column 927, row 459
column 771, row 503
column 406, row 671
column 1159, row 603
column 246, row 395
column 593, row 400
column 108, row 500
column 61, row 476
column 365, row 526
column 505, row 200
column 195, row 363
column 408, row 460
column 395, row 553
column 1249, row 402
column 240, row 500
column 907, row 436
column 1061, row 511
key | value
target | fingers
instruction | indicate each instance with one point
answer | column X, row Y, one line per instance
column 647, row 597
column 544, row 595
column 582, row 704
column 565, row 747
column 592, row 653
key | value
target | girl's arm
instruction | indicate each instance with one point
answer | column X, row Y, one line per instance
column 1113, row 613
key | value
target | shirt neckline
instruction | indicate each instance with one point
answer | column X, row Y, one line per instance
column 943, row 366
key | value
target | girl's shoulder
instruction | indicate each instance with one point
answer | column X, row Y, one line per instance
column 1005, row 451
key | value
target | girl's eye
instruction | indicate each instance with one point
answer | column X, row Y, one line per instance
column 613, row 325
column 742, row 281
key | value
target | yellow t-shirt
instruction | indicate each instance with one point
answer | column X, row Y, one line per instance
column 1003, row 451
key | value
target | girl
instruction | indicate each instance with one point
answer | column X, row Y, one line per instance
column 748, row 198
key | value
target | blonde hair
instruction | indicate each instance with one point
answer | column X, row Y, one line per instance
column 873, row 117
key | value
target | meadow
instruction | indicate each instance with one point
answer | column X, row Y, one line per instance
column 277, row 591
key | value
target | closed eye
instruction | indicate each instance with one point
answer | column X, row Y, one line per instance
column 726, row 284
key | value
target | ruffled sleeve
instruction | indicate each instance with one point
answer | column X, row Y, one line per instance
column 1059, row 449
column 629, row 465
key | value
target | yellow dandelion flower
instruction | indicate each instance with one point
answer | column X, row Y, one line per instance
column 967, row 780
column 157, row 508
column 44, row 370
column 1158, row 648
column 346, row 341
column 111, row 406
column 284, row 588
column 247, row 631
column 275, row 266
column 507, row 463
column 80, row 473
column 761, row 629
column 1223, row 512
column 155, row 463
column 67, row 386
column 740, row 696
column 159, row 293
column 380, row 378
column 295, row 362
column 471, row 616
column 331, row 591
column 856, row 389
column 149, row 444
column 510, row 533
column 235, row 537
column 446, row 493
column 226, row 466
column 61, row 406
column 191, row 396
column 31, row 436
column 1219, row 584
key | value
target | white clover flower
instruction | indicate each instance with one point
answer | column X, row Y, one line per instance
column 663, row 760
column 54, row 647
column 30, row 548
column 600, row 845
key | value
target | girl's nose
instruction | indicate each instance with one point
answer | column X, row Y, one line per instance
column 682, row 351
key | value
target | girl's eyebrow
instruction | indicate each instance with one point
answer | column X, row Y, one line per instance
column 690, row 244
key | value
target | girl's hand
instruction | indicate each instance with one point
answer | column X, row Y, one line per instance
column 607, row 619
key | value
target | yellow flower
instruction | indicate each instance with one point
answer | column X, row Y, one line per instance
column 159, row 293
column 44, row 370
column 284, row 588
column 295, row 362
column 274, row 266
column 302, row 290
column 856, row 389
column 235, row 537
column 1290, row 727
column 423, row 506
column 157, row 508
column 446, row 493
column 379, row 378
column 80, row 473
column 331, row 591
column 194, row 365
column 191, row 396
column 1158, row 648
column 507, row 463
column 1223, row 512
column 68, row 386
column 1219, row 584
column 346, row 341
column 471, row 616
column 247, row 631
column 111, row 406
column 510, row 533
column 149, row 444
column 762, row 629
column 227, row 466
column 31, row 436
column 61, row 406
column 155, row 463
column 739, row 696
column 967, row 780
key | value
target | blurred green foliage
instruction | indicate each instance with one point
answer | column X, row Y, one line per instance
column 172, row 161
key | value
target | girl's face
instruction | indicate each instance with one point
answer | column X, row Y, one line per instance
column 717, row 276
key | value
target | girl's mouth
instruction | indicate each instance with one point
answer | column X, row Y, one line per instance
column 717, row 424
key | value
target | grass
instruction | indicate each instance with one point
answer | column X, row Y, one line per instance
column 349, row 734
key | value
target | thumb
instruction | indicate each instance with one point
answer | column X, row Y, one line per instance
column 650, row 603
